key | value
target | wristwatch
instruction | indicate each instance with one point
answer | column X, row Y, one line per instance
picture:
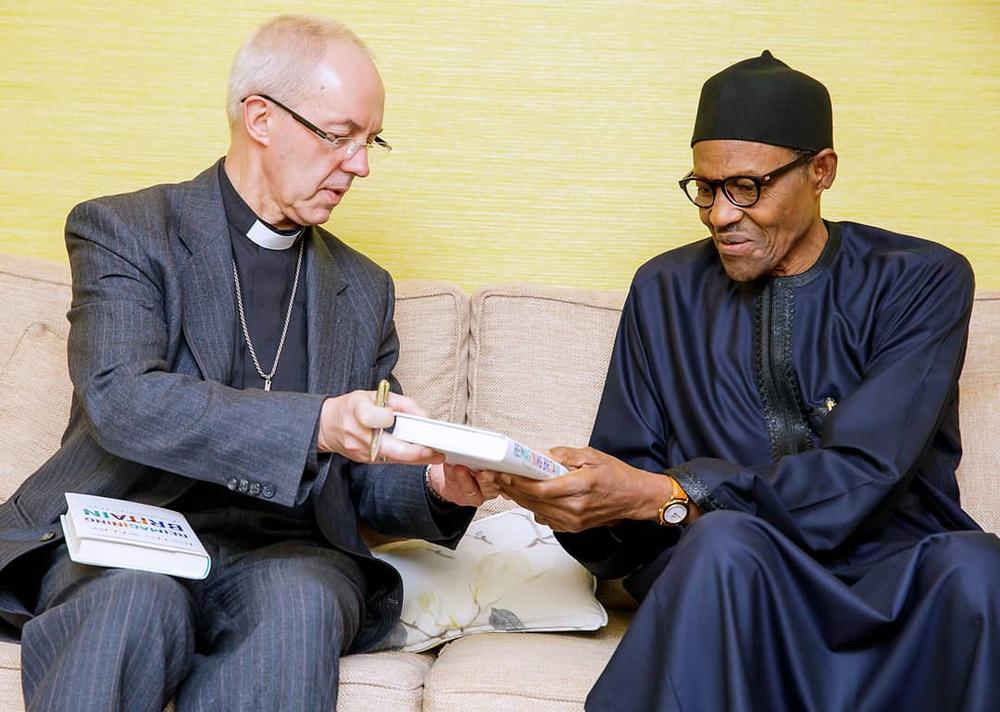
column 675, row 510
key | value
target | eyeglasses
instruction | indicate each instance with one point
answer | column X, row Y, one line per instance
column 741, row 191
column 349, row 145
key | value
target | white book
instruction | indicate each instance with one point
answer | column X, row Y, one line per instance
column 127, row 535
column 476, row 448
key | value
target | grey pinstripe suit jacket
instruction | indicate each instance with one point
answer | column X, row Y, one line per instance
column 151, row 332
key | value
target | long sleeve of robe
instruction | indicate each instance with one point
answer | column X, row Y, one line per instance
column 825, row 403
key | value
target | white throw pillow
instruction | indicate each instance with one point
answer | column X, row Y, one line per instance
column 508, row 574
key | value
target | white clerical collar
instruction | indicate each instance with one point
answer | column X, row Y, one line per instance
column 262, row 234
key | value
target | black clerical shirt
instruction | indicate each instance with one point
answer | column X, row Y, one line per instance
column 266, row 279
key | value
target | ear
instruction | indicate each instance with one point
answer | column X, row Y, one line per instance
column 257, row 119
column 823, row 169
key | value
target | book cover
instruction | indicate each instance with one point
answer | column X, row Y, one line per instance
column 476, row 448
column 102, row 531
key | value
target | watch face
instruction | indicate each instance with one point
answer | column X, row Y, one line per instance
column 675, row 513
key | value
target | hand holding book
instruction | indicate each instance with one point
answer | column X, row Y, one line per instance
column 475, row 448
column 460, row 485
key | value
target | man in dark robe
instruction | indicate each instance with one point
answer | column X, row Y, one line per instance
column 772, row 467
column 223, row 350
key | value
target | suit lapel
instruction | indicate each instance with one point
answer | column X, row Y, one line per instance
column 207, row 278
column 328, row 318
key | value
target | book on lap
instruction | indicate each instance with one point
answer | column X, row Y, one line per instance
column 116, row 533
column 476, row 448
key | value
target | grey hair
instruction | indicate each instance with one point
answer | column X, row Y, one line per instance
column 279, row 57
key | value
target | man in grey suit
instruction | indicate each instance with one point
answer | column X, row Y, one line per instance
column 223, row 348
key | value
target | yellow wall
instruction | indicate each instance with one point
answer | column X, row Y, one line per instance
column 536, row 140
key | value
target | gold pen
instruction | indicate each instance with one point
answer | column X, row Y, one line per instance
column 381, row 395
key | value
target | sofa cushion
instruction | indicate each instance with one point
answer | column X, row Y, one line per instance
column 35, row 393
column 31, row 290
column 508, row 573
column 383, row 682
column 494, row 672
column 11, row 699
column 539, row 357
column 432, row 320
column 377, row 682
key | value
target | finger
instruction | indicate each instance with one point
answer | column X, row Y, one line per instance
column 450, row 468
column 368, row 414
column 575, row 457
column 533, row 503
column 489, row 490
column 486, row 478
column 405, row 404
column 514, row 483
column 564, row 486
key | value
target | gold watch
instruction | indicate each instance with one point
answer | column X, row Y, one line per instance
column 676, row 509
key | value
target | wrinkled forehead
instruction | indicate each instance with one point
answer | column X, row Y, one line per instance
column 345, row 85
column 719, row 158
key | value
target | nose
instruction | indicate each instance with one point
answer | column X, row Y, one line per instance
column 357, row 164
column 722, row 213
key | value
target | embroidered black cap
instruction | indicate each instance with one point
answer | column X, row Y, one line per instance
column 764, row 100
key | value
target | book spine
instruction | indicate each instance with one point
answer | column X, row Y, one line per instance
column 525, row 455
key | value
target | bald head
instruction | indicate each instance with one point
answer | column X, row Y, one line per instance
column 285, row 56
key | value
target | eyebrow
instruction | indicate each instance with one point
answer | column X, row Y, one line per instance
column 351, row 124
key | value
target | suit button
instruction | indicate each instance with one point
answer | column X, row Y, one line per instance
column 254, row 489
column 244, row 484
column 47, row 536
column 268, row 490
column 232, row 483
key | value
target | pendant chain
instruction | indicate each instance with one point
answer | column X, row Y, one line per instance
column 284, row 330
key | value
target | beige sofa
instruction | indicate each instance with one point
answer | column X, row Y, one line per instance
column 525, row 359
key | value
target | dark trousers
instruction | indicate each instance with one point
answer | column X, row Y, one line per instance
column 264, row 631
column 740, row 619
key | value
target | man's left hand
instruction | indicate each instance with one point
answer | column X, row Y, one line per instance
column 599, row 490
column 460, row 485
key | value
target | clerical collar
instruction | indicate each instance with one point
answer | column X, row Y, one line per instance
column 246, row 222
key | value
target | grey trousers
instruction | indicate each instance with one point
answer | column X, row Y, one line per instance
column 264, row 631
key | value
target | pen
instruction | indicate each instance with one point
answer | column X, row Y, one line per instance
column 380, row 397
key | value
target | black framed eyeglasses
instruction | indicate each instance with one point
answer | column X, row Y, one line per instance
column 741, row 191
column 349, row 145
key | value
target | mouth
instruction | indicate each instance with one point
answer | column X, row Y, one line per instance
column 333, row 193
column 735, row 245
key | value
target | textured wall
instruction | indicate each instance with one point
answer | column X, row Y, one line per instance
column 536, row 140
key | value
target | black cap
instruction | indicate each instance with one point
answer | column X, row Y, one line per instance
column 764, row 100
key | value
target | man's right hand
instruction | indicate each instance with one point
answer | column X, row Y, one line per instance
column 347, row 422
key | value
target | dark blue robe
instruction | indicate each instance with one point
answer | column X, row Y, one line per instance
column 814, row 418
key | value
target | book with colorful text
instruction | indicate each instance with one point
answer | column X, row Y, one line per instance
column 116, row 533
column 476, row 448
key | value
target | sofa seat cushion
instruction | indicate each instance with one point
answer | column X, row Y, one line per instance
column 500, row 672
column 10, row 677
column 383, row 682
column 376, row 682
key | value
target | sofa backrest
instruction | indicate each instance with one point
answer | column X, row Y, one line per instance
column 538, row 358
column 527, row 360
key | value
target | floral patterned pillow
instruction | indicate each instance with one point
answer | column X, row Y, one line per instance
column 507, row 574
